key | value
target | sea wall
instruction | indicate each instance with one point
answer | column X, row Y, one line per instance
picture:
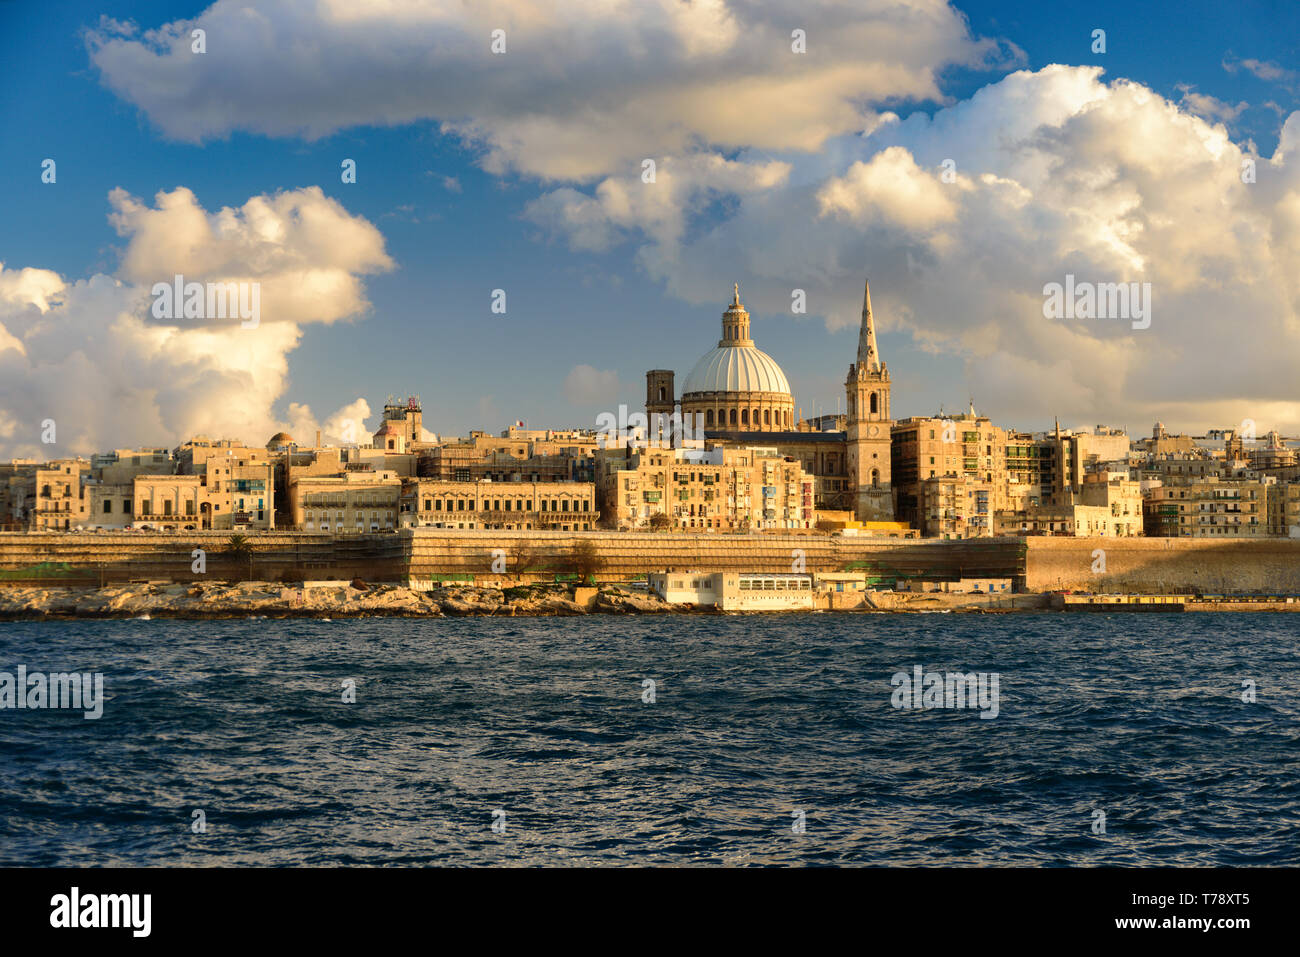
column 1138, row 565
column 624, row 555
column 486, row 556
column 1148, row 566
column 87, row 558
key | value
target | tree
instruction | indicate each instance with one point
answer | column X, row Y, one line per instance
column 523, row 556
column 660, row 522
column 585, row 560
column 239, row 549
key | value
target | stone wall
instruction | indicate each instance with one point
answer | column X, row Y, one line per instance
column 87, row 558
column 1137, row 565
column 1164, row 565
column 624, row 555
column 74, row 558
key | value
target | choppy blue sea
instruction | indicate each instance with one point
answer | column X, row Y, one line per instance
column 755, row 719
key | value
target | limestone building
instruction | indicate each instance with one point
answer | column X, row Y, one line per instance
column 555, row 506
column 723, row 489
column 740, row 397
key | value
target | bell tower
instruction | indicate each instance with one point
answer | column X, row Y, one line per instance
column 660, row 395
column 869, row 425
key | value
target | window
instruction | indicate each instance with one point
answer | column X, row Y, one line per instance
column 108, row 506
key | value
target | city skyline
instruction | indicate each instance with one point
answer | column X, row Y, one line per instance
column 387, row 283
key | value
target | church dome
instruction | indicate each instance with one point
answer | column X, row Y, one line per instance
column 736, row 364
column 736, row 368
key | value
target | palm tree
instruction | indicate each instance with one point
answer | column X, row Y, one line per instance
column 239, row 547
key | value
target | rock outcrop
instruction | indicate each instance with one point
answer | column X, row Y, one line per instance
column 319, row 600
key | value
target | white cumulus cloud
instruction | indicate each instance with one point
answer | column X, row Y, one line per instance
column 580, row 91
column 88, row 354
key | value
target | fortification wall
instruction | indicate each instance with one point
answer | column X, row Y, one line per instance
column 93, row 558
column 1163, row 565
column 87, row 558
column 625, row 555
column 1138, row 565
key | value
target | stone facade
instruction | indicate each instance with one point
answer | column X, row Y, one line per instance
column 355, row 502
column 867, row 390
column 721, row 489
column 557, row 506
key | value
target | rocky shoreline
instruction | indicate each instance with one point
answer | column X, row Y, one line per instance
column 347, row 600
column 358, row 599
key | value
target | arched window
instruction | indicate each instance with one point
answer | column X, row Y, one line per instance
column 754, row 418
column 875, row 478
column 874, row 404
column 708, row 417
column 733, row 416
column 744, row 417
column 767, row 416
column 661, row 393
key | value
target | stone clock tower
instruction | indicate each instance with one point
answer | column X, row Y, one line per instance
column 869, row 424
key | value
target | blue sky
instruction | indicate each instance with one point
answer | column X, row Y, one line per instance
column 456, row 230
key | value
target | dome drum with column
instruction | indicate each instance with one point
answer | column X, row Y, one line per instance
column 737, row 386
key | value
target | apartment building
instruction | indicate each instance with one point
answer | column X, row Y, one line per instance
column 724, row 488
column 557, row 506
column 358, row 500
column 1215, row 509
column 55, row 497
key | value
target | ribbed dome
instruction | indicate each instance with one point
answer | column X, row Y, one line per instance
column 736, row 369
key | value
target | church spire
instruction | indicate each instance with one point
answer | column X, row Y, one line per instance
column 868, row 355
